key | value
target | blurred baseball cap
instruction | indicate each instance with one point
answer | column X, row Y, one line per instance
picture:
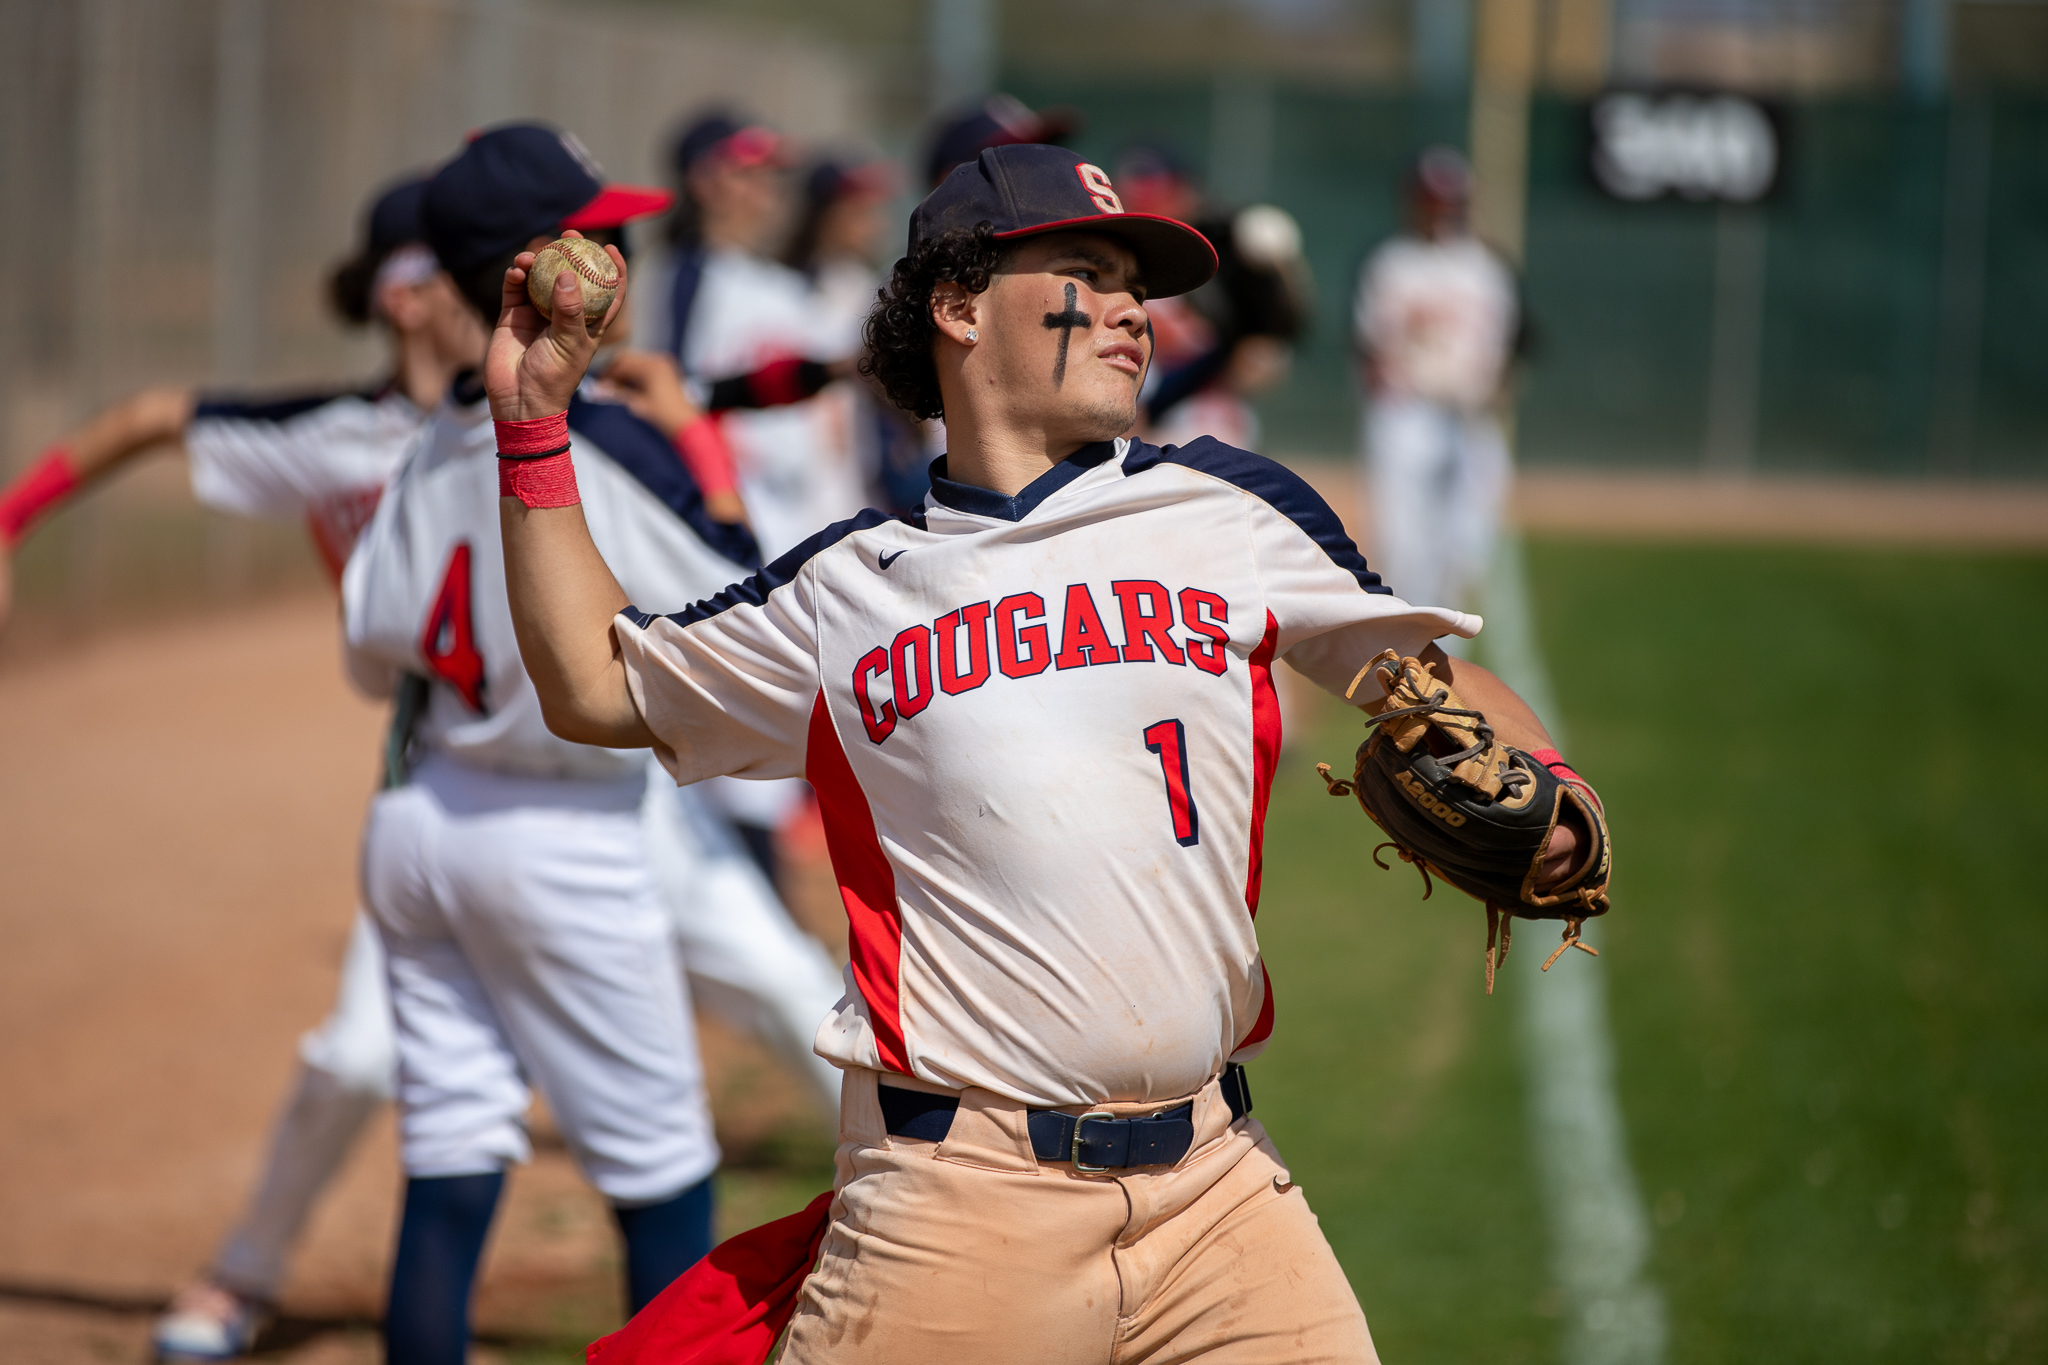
column 1027, row 189
column 999, row 121
column 521, row 181
column 1442, row 174
column 395, row 218
column 841, row 177
column 722, row 133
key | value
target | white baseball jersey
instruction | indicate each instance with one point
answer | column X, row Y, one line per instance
column 325, row 457
column 1438, row 319
column 424, row 592
column 1042, row 729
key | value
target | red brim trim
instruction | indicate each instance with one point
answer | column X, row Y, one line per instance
column 619, row 204
column 1173, row 256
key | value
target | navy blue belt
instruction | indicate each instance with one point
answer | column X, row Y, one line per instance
column 1093, row 1142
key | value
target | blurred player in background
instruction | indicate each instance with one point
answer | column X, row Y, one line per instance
column 838, row 248
column 1232, row 339
column 510, row 876
column 324, row 457
column 720, row 306
column 1435, row 321
column 998, row 121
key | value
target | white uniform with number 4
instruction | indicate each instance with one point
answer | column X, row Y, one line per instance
column 511, row 881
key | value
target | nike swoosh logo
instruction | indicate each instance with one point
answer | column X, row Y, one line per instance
column 886, row 560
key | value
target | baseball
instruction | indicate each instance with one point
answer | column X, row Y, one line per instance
column 597, row 272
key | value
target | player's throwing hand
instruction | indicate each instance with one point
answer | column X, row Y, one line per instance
column 535, row 363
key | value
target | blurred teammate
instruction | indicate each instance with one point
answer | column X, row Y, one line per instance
column 1231, row 340
column 998, row 121
column 324, row 457
column 837, row 247
column 510, row 878
column 722, row 306
column 1435, row 321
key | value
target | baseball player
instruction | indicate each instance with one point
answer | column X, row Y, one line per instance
column 837, row 248
column 510, row 879
column 1436, row 322
column 323, row 458
column 1233, row 338
column 1039, row 714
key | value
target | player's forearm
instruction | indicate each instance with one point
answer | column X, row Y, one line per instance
column 130, row 427
column 115, row 436
column 563, row 598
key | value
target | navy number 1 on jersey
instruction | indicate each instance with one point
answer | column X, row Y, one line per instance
column 1169, row 739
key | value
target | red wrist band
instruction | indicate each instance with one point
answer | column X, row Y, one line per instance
column 706, row 455
column 40, row 488
column 534, row 464
column 1553, row 760
column 534, row 438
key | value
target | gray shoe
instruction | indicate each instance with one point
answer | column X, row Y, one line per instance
column 209, row 1323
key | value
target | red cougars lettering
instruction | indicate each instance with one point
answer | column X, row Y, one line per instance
column 880, row 724
column 910, row 663
column 1026, row 650
column 974, row 620
column 1210, row 652
column 952, row 655
column 1083, row 638
column 1148, row 620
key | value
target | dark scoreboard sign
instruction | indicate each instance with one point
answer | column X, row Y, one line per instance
column 1687, row 144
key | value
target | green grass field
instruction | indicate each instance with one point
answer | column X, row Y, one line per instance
column 1828, row 972
column 1827, row 969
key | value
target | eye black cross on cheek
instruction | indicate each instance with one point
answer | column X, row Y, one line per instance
column 1066, row 323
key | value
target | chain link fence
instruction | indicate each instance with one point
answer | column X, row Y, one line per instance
column 188, row 170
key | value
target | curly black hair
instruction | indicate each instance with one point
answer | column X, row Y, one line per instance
column 899, row 329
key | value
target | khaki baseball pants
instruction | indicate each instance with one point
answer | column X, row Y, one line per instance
column 971, row 1249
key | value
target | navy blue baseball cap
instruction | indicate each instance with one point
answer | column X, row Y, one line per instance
column 396, row 219
column 998, row 121
column 1028, row 189
column 518, row 182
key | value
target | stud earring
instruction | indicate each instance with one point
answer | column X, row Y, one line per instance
column 973, row 335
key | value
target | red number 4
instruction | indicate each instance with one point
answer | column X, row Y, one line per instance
column 448, row 644
column 1169, row 739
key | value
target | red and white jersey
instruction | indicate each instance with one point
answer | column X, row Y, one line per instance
column 424, row 592
column 325, row 457
column 1437, row 318
column 1042, row 729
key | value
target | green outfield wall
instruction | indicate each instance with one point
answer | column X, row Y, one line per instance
column 1884, row 312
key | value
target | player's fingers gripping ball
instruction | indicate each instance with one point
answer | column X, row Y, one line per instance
column 1480, row 814
column 593, row 267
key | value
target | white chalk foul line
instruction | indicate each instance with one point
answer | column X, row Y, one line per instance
column 1599, row 1231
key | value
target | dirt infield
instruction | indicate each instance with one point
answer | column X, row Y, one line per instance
column 178, row 817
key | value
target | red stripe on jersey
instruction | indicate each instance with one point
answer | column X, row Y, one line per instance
column 1263, row 1029
column 867, row 884
column 1265, row 756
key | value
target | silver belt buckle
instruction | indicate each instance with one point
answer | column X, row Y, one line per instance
column 1079, row 1164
